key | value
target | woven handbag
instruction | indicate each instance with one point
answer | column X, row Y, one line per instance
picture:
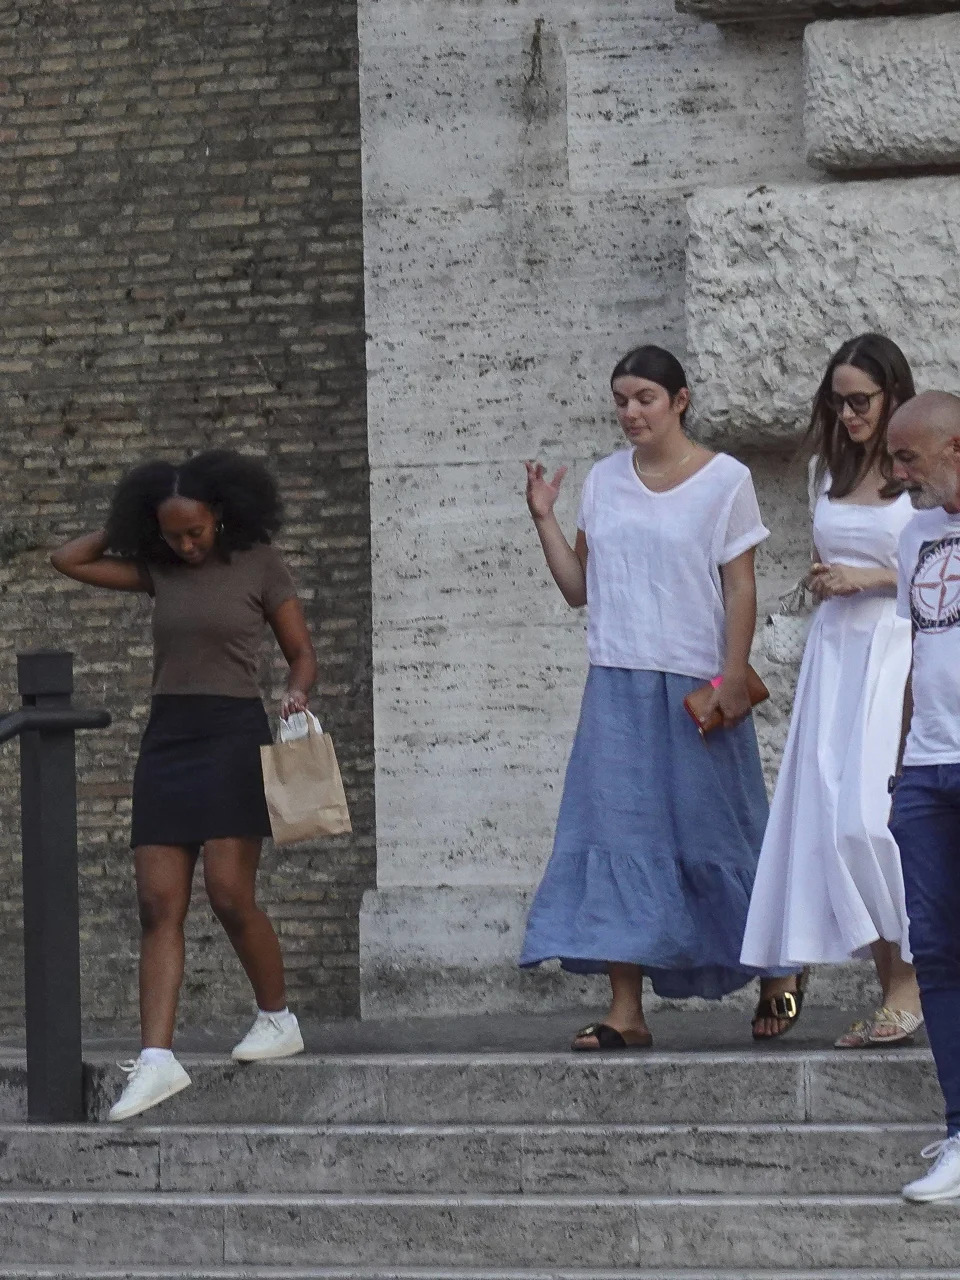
column 784, row 636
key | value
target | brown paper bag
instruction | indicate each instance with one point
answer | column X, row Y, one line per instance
column 301, row 780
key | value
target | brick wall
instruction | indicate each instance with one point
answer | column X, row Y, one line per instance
column 181, row 267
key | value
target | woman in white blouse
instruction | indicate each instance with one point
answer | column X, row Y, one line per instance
column 659, row 828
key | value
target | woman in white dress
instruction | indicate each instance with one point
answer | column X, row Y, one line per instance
column 829, row 885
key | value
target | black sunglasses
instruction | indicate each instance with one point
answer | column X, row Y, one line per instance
column 859, row 401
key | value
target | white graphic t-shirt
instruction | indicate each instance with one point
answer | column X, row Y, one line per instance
column 654, row 593
column 928, row 594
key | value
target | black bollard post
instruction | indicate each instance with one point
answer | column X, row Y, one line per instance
column 51, row 907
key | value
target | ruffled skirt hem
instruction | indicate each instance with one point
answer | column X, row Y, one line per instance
column 657, row 842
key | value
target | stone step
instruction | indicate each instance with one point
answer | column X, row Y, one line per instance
column 660, row 1233
column 60, row 1272
column 740, row 1087
column 447, row 1273
column 595, row 1160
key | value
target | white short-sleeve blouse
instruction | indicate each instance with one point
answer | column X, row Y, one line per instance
column 654, row 592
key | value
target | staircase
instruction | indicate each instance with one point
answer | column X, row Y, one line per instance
column 778, row 1163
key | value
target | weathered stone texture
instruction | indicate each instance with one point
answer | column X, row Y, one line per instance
column 648, row 111
column 790, row 10
column 495, row 324
column 778, row 278
column 883, row 94
column 504, row 127
column 181, row 267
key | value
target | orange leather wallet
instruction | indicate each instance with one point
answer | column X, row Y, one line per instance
column 697, row 702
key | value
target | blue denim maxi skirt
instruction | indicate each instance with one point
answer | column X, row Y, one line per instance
column 657, row 841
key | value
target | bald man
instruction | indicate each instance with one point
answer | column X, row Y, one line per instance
column 924, row 443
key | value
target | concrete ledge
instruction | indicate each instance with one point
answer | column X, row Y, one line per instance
column 883, row 94
column 787, row 10
column 778, row 277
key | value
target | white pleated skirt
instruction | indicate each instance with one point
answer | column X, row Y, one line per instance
column 829, row 881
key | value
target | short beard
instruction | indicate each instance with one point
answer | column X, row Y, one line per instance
column 939, row 490
column 925, row 500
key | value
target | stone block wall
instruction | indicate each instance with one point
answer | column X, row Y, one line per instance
column 778, row 276
column 883, row 94
column 181, row 268
column 777, row 279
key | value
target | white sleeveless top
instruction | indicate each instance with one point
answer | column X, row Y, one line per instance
column 654, row 593
column 866, row 537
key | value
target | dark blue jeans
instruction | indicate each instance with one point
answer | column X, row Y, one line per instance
column 926, row 825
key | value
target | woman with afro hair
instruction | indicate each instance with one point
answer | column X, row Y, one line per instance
column 196, row 538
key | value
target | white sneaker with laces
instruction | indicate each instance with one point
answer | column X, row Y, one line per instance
column 149, row 1083
column 273, row 1035
column 943, row 1180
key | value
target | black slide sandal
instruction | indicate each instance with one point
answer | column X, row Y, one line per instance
column 608, row 1038
column 786, row 1007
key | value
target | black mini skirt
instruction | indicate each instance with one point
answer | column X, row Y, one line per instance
column 198, row 776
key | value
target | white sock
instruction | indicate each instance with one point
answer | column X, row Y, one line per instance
column 275, row 1013
column 156, row 1057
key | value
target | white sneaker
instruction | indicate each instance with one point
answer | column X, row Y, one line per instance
column 273, row 1035
column 943, row 1180
column 148, row 1084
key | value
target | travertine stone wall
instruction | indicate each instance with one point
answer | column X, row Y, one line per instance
column 181, row 267
column 776, row 279
column 525, row 178
column 883, row 94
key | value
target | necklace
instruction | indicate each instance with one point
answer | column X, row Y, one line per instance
column 656, row 475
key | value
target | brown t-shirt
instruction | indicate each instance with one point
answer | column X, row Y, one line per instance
column 208, row 621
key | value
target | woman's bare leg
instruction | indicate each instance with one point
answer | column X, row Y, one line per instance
column 230, row 875
column 626, row 1004
column 880, row 950
column 899, row 982
column 164, row 881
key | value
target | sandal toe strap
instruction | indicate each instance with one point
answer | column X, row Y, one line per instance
column 858, row 1027
column 607, row 1037
column 905, row 1021
column 784, row 1007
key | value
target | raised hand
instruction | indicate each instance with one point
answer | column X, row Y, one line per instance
column 542, row 493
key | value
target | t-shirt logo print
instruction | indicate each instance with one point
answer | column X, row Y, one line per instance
column 935, row 589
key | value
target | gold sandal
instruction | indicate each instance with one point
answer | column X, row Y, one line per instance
column 857, row 1035
column 907, row 1025
column 860, row 1034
